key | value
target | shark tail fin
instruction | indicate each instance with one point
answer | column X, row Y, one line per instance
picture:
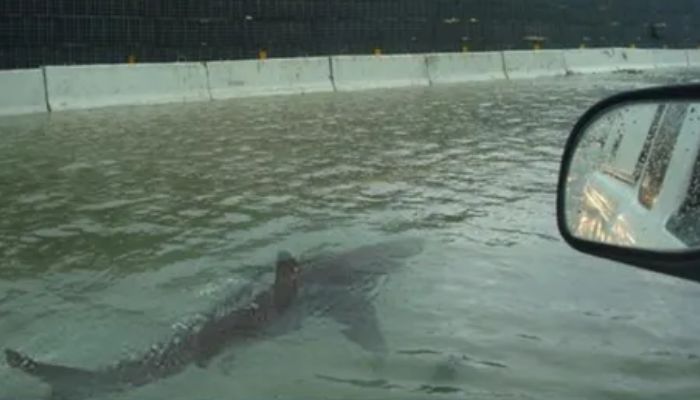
column 19, row 361
column 59, row 377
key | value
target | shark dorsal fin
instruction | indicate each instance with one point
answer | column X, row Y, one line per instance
column 286, row 266
column 283, row 256
column 286, row 279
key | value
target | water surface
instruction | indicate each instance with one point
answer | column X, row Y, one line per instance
column 118, row 223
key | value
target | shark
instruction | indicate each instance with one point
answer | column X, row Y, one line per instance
column 340, row 286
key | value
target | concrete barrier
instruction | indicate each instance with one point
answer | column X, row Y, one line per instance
column 61, row 88
column 109, row 85
column 22, row 92
column 667, row 58
column 371, row 72
column 464, row 67
column 591, row 61
column 694, row 58
column 228, row 79
column 533, row 64
column 636, row 59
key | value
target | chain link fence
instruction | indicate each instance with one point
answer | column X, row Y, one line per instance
column 58, row 32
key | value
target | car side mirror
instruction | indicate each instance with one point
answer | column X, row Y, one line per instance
column 629, row 184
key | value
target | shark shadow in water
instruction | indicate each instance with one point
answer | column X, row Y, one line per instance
column 339, row 286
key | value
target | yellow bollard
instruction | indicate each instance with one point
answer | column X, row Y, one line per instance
column 131, row 59
column 582, row 46
column 465, row 48
column 537, row 46
column 377, row 51
column 262, row 54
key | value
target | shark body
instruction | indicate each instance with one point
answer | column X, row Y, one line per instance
column 338, row 286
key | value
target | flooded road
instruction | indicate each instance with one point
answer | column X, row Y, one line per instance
column 118, row 223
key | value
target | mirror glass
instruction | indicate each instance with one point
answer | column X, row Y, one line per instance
column 634, row 179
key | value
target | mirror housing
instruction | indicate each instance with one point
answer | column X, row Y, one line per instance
column 626, row 174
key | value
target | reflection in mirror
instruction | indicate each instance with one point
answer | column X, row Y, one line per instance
column 634, row 179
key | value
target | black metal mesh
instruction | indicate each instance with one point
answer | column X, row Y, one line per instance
column 45, row 32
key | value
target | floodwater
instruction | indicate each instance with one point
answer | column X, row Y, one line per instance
column 116, row 224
